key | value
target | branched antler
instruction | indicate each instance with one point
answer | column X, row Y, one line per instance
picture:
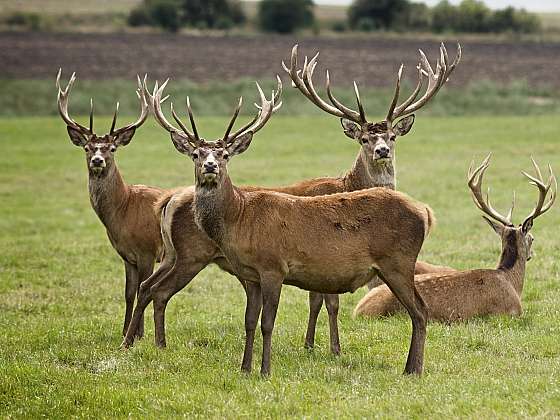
column 544, row 189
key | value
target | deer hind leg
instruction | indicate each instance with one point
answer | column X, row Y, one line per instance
column 315, row 304
column 145, row 270
column 332, row 304
column 178, row 277
column 401, row 282
column 252, row 312
column 143, row 300
column 271, row 287
column 130, row 288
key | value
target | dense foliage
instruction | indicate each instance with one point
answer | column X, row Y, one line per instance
column 469, row 16
column 285, row 16
column 172, row 14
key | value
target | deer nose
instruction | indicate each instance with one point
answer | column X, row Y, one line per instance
column 382, row 151
column 96, row 160
column 210, row 166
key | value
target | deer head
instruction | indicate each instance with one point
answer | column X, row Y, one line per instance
column 210, row 157
column 517, row 237
column 99, row 149
column 376, row 138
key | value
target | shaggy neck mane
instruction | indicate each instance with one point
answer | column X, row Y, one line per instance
column 511, row 262
column 107, row 193
column 213, row 205
column 367, row 174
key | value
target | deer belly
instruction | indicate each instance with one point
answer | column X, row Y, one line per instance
column 322, row 280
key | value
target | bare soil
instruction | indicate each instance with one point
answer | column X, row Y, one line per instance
column 373, row 61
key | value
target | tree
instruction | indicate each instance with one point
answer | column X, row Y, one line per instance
column 172, row 14
column 444, row 17
column 212, row 13
column 285, row 16
column 383, row 13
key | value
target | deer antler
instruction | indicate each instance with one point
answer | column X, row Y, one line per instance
column 63, row 97
column 265, row 111
column 538, row 181
column 475, row 184
column 64, row 94
column 156, row 99
column 435, row 81
column 303, row 81
column 144, row 111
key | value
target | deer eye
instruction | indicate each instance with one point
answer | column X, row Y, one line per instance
column 364, row 141
column 225, row 155
column 392, row 137
column 113, row 149
column 86, row 148
column 195, row 155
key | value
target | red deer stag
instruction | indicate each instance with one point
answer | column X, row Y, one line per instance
column 328, row 244
column 125, row 210
column 465, row 294
column 375, row 164
column 372, row 167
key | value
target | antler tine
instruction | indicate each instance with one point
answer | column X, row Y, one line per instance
column 144, row 110
column 232, row 121
column 414, row 93
column 263, row 115
column 390, row 116
column 541, row 207
column 510, row 212
column 294, row 73
column 277, row 94
column 114, row 119
column 191, row 118
column 338, row 109
column 160, row 117
column 62, row 99
column 91, row 115
column 435, row 80
column 475, row 185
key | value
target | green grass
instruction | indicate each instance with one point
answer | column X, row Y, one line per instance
column 61, row 288
column 37, row 97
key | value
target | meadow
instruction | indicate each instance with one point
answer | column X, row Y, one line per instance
column 61, row 287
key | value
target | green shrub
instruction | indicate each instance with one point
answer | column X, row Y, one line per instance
column 383, row 13
column 339, row 26
column 30, row 21
column 285, row 16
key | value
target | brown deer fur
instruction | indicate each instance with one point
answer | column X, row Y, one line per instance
column 465, row 294
column 328, row 244
column 373, row 167
column 125, row 210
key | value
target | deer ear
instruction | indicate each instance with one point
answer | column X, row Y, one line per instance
column 240, row 144
column 527, row 225
column 404, row 125
column 76, row 136
column 181, row 144
column 498, row 227
column 124, row 137
column 351, row 129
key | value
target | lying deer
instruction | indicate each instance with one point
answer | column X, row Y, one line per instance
column 466, row 294
column 375, row 164
column 373, row 167
column 125, row 210
column 328, row 244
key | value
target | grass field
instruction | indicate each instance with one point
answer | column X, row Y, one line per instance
column 61, row 288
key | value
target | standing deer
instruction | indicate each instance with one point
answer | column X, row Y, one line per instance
column 465, row 294
column 125, row 210
column 371, row 168
column 328, row 244
column 375, row 164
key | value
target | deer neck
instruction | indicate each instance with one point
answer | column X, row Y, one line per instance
column 366, row 173
column 107, row 193
column 512, row 262
column 215, row 206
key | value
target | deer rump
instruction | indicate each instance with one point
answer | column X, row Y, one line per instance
column 327, row 244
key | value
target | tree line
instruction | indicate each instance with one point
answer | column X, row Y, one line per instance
column 286, row 16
